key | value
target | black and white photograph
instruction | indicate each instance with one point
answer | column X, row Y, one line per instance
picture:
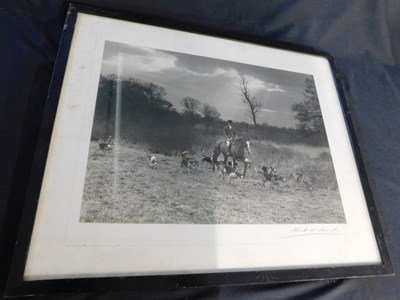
column 186, row 139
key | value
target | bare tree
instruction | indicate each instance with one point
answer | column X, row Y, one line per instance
column 247, row 98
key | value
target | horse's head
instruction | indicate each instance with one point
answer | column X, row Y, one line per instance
column 244, row 143
column 248, row 146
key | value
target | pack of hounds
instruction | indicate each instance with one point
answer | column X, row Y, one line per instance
column 189, row 163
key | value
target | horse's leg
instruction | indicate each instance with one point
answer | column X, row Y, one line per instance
column 214, row 159
column 225, row 158
column 245, row 169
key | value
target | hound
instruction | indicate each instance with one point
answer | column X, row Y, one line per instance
column 188, row 163
column 105, row 146
column 299, row 177
column 194, row 163
column 151, row 159
column 206, row 159
column 232, row 172
column 270, row 174
column 269, row 170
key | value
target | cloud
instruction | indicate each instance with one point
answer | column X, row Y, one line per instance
column 271, row 87
column 267, row 110
column 138, row 63
column 258, row 86
column 111, row 49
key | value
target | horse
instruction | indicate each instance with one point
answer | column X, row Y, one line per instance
column 237, row 150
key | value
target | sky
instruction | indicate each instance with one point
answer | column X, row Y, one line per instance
column 211, row 81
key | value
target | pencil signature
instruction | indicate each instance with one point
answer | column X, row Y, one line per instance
column 307, row 230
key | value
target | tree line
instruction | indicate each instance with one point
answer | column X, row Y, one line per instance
column 146, row 116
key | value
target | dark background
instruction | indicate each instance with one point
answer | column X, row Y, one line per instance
column 363, row 36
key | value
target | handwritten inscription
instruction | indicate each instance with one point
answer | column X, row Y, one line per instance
column 313, row 230
column 306, row 229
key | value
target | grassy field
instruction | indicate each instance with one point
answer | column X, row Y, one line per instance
column 120, row 187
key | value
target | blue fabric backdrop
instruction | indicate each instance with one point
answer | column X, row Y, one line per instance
column 362, row 35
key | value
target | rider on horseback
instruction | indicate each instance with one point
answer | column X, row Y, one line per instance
column 230, row 134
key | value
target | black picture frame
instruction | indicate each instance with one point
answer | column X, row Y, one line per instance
column 18, row 286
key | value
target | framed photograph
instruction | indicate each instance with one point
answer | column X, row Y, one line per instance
column 174, row 156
